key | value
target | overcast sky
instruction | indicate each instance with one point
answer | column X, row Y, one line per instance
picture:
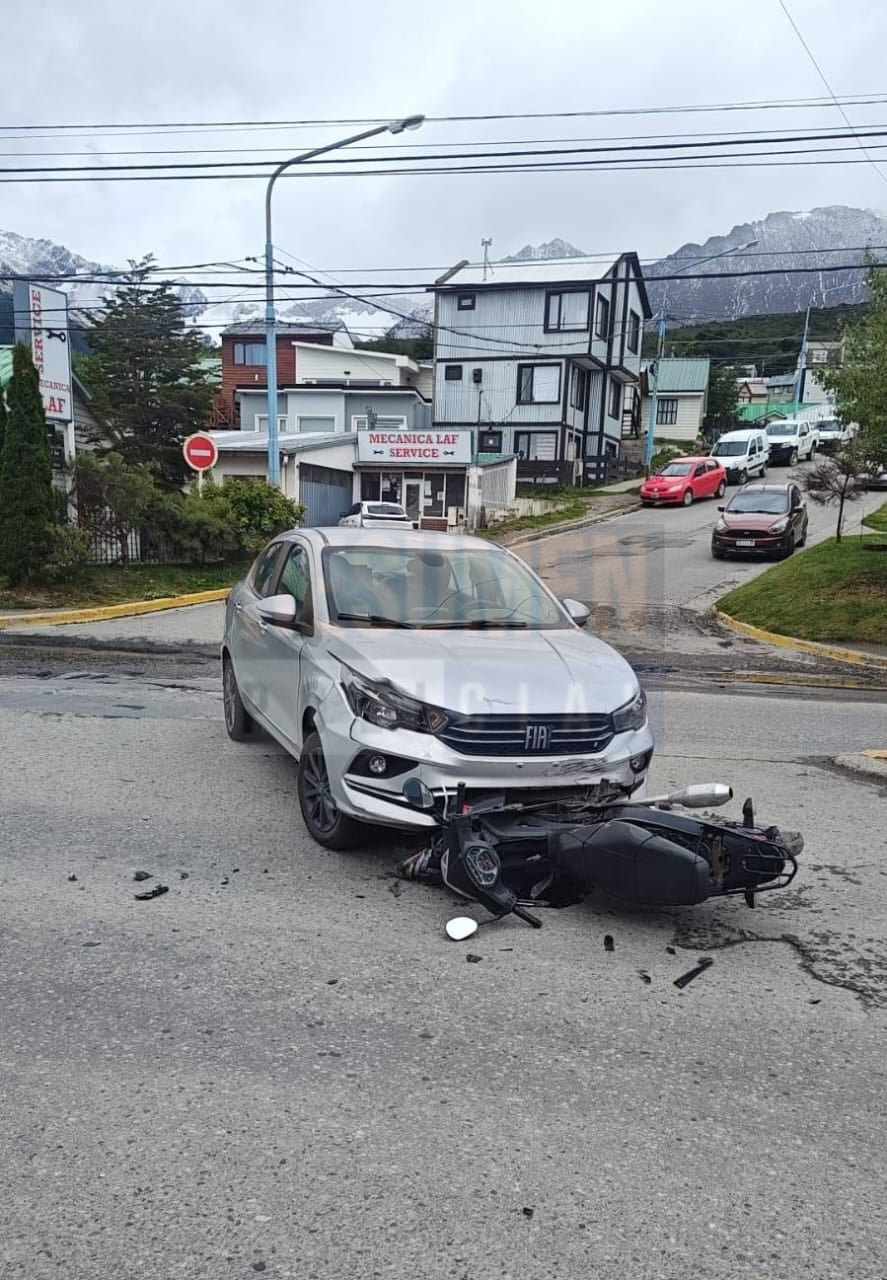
column 103, row 62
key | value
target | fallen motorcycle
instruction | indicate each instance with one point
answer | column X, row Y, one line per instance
column 509, row 857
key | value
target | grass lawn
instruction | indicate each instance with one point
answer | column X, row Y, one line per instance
column 112, row 584
column 878, row 519
column 833, row 592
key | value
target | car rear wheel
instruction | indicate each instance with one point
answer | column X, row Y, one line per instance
column 238, row 721
column 320, row 812
column 722, row 489
column 687, row 499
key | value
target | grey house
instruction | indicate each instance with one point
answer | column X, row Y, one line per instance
column 536, row 356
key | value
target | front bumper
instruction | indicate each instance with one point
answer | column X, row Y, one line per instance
column 348, row 743
column 661, row 499
column 766, row 544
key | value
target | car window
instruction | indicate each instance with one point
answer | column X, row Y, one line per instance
column 262, row 573
column 295, row 580
column 700, row 470
column 353, row 510
column 676, row 469
column 711, row 465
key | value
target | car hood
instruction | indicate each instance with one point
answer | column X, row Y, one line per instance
column 783, row 438
column 751, row 519
column 493, row 672
column 665, row 482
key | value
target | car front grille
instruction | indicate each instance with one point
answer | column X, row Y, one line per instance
column 564, row 735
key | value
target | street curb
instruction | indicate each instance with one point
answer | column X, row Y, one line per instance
column 101, row 613
column 871, row 763
column 835, row 652
column 566, row 527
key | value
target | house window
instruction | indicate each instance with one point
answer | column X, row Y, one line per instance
column 820, row 357
column 666, row 412
column 567, row 311
column 465, row 301
column 359, row 423
column 452, row 373
column 316, row 424
column 633, row 337
column 615, row 399
column 578, row 387
column 602, row 317
column 538, row 383
column 249, row 353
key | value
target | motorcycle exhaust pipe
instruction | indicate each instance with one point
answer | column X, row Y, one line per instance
column 699, row 795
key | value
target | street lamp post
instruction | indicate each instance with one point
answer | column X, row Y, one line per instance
column 801, row 370
column 395, row 126
column 660, row 348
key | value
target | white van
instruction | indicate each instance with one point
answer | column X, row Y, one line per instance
column 743, row 454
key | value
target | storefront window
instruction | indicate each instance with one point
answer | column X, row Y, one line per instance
column 369, row 486
column 455, row 492
column 434, row 493
column 392, row 482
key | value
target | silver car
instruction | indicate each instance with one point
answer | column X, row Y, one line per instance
column 373, row 658
column 376, row 515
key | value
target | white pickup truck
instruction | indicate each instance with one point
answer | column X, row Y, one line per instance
column 833, row 435
column 791, row 441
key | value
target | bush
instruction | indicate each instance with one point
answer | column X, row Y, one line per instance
column 259, row 511
column 67, row 552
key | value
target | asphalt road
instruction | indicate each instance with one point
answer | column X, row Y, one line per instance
column 282, row 1066
column 649, row 575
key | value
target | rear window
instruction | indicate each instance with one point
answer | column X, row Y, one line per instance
column 385, row 509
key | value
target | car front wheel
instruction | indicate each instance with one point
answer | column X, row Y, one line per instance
column 687, row 499
column 792, row 457
column 238, row 721
column 320, row 812
column 743, row 477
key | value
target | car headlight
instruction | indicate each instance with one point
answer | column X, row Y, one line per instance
column 633, row 715
column 779, row 527
column 380, row 703
column 721, row 526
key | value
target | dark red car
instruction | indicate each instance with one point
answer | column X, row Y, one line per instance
column 684, row 480
column 761, row 520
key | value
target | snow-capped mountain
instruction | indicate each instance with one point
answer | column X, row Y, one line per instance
column 819, row 239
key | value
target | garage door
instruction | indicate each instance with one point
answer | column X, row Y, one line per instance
column 324, row 493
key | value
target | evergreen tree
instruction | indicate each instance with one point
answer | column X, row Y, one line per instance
column 27, row 502
column 2, row 420
column 148, row 375
column 859, row 385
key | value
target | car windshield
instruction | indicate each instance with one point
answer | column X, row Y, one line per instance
column 764, row 501
column 829, row 428
column 385, row 509
column 782, row 429
column 462, row 589
column 676, row 469
column 729, row 448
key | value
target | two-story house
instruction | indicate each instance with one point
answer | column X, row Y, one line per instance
column 245, row 360
column 536, row 357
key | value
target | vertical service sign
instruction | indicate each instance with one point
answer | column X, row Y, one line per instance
column 41, row 321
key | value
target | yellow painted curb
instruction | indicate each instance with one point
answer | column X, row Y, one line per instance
column 876, row 755
column 834, row 652
column 101, row 613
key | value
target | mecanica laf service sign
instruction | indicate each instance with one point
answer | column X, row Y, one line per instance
column 413, row 449
column 41, row 322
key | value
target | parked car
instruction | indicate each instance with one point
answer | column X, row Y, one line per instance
column 833, row 435
column 376, row 515
column 761, row 520
column 791, row 441
column 375, row 657
column 743, row 454
column 684, row 480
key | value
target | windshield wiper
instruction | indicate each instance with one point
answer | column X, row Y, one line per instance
column 374, row 619
column 476, row 624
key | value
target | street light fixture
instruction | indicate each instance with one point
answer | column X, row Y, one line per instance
column 660, row 326
column 395, row 126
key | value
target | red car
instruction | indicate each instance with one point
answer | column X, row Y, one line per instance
column 684, row 480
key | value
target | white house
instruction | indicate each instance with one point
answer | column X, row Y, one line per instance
column 681, row 397
column 535, row 356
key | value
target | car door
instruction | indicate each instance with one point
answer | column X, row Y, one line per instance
column 283, row 647
column 697, row 481
column 246, row 630
column 713, row 476
column 805, row 442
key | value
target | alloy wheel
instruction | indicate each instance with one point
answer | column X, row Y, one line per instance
column 316, row 793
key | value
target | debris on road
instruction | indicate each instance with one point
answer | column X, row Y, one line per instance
column 156, row 892
column 142, row 875
column 609, row 944
column 72, row 879
column 645, row 977
column 686, row 978
column 473, row 959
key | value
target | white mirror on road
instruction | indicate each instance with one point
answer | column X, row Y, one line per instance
column 460, row 928
column 279, row 611
column 579, row 612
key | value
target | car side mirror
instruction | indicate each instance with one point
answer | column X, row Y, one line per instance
column 278, row 611
column 722, row 508
column 578, row 612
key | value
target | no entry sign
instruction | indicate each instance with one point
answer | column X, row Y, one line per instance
column 200, row 451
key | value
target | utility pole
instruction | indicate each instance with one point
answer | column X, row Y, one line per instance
column 485, row 245
column 802, row 365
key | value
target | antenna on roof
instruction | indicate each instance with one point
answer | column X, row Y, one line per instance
column 485, row 245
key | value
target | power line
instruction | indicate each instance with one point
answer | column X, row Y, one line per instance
column 822, row 76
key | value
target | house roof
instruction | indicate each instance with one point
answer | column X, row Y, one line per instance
column 674, row 373
column 290, row 442
column 291, row 326
column 781, row 380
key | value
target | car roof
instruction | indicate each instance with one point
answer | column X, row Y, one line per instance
column 769, row 488
column 415, row 539
column 742, row 434
column 702, row 457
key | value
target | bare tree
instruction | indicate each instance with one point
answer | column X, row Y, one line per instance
column 838, row 479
